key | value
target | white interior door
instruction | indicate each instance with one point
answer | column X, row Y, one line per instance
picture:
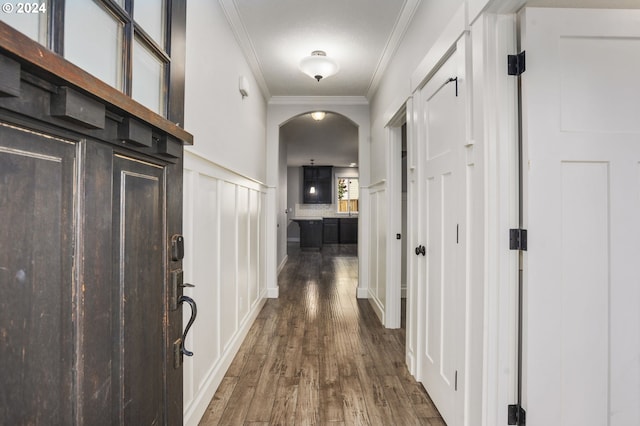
column 581, row 126
column 442, row 302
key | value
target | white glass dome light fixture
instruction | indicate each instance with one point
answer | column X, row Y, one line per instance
column 318, row 65
column 318, row 115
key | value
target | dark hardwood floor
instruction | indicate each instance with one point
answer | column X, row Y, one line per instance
column 318, row 356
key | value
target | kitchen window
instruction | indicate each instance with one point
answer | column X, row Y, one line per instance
column 348, row 194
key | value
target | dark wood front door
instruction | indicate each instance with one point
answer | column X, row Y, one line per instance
column 138, row 207
column 86, row 327
column 38, row 194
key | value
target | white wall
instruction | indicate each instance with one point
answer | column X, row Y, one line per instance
column 226, row 127
column 224, row 202
column 428, row 22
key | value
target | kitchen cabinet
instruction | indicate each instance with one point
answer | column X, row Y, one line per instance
column 330, row 230
column 310, row 233
column 348, row 230
column 317, row 184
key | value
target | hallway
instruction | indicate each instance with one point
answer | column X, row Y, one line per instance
column 317, row 355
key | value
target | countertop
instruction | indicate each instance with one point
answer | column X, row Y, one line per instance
column 299, row 218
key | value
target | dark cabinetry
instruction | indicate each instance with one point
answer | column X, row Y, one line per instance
column 316, row 184
column 330, row 231
column 310, row 233
column 348, row 230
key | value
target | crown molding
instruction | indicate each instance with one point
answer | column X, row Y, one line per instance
column 318, row 100
column 230, row 10
column 395, row 38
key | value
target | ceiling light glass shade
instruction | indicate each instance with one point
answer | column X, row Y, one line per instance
column 318, row 65
column 318, row 115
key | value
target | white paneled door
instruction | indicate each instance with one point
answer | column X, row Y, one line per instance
column 581, row 127
column 441, row 299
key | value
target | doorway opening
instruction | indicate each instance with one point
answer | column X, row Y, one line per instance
column 320, row 169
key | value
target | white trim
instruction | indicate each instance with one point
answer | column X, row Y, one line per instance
column 230, row 10
column 362, row 293
column 198, row 406
column 196, row 161
column 399, row 29
column 378, row 308
column 494, row 106
column 393, row 226
column 283, row 263
column 373, row 185
column 218, row 336
column 441, row 49
column 280, row 113
column 273, row 293
column 412, row 239
column 318, row 100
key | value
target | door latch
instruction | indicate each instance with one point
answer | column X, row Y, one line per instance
column 177, row 282
column 178, row 345
column 194, row 313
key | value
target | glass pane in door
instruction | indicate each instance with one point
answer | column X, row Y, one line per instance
column 150, row 15
column 30, row 18
column 148, row 78
column 93, row 40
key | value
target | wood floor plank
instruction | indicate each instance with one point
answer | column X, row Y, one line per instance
column 319, row 356
column 285, row 402
column 354, row 406
column 331, row 403
column 308, row 408
column 219, row 402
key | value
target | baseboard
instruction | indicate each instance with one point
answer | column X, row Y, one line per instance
column 377, row 308
column 198, row 406
column 273, row 293
column 410, row 360
column 362, row 293
column 284, row 262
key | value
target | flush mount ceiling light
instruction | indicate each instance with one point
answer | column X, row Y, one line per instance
column 318, row 65
column 318, row 115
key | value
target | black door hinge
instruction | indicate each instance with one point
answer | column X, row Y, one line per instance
column 516, row 64
column 516, row 415
column 518, row 239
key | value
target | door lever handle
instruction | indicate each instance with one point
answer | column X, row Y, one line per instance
column 421, row 250
column 194, row 313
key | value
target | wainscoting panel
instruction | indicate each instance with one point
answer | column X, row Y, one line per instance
column 378, row 250
column 224, row 258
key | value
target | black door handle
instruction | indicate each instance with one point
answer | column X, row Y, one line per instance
column 421, row 250
column 194, row 313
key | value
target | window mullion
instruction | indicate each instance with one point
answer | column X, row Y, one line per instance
column 127, row 59
column 55, row 30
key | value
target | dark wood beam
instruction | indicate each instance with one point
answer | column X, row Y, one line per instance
column 44, row 63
